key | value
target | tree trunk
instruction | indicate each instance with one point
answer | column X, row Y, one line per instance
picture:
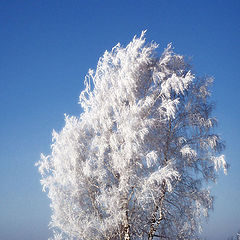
column 127, row 232
column 126, row 221
column 126, row 226
column 152, row 228
column 156, row 221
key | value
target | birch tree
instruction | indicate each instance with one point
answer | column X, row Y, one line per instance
column 235, row 237
column 135, row 164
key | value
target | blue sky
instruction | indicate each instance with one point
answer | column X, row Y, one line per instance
column 46, row 49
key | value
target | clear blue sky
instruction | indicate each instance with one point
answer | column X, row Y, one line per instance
column 46, row 48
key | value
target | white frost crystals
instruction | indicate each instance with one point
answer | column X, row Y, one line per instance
column 133, row 164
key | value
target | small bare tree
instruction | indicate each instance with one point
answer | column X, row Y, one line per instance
column 133, row 165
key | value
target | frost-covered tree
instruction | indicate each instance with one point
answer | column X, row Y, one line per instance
column 135, row 163
column 235, row 237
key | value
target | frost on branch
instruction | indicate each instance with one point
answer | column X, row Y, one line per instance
column 133, row 164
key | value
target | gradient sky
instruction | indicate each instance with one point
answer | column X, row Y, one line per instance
column 46, row 48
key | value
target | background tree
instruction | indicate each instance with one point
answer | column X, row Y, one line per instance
column 135, row 163
column 235, row 237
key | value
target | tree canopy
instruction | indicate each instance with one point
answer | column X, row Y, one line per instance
column 135, row 163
